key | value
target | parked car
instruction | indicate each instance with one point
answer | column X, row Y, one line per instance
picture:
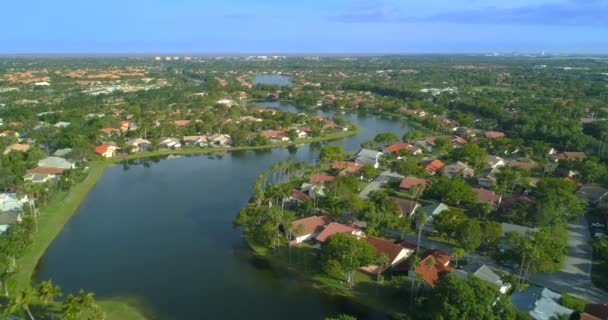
column 600, row 235
column 598, row 225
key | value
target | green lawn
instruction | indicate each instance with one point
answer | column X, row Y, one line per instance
column 119, row 310
column 574, row 303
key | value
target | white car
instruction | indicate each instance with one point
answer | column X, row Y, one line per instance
column 600, row 235
column 598, row 225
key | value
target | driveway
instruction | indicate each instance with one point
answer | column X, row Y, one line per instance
column 378, row 183
column 575, row 275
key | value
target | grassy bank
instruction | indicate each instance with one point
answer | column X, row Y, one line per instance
column 58, row 212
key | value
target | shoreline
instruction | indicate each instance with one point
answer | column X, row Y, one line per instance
column 54, row 215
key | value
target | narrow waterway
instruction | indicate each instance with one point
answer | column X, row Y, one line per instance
column 161, row 231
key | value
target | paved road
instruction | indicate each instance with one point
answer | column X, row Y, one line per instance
column 575, row 276
column 378, row 183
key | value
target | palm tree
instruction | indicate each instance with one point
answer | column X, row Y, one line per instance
column 421, row 220
column 382, row 261
column 4, row 282
column 415, row 265
column 24, row 299
column 275, row 169
column 47, row 291
column 458, row 253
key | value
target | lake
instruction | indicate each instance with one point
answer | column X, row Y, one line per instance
column 272, row 79
column 160, row 230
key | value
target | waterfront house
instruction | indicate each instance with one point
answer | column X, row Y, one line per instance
column 310, row 227
column 10, row 202
column 169, row 143
column 321, row 178
column 221, row 140
column 395, row 253
column 195, row 141
column 296, row 196
column 539, row 303
column 484, row 273
column 138, row 145
column 106, row 150
column 276, row 136
column 368, row 157
column 346, row 167
column 334, row 228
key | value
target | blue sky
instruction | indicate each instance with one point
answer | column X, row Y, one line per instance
column 306, row 26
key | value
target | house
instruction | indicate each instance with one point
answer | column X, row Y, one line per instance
column 569, row 156
column 465, row 132
column 310, row 227
column 409, row 182
column 526, row 165
column 275, row 136
column 320, row 178
column 407, row 207
column 10, row 202
column 169, row 143
column 62, row 152
column 432, row 266
column 539, row 303
column 488, row 196
column 514, row 199
column 124, row 126
column 399, row 147
column 368, row 157
column 427, row 144
column 56, row 162
column 138, row 145
column 346, row 167
column 110, row 131
column 595, row 311
column 195, row 141
column 487, row 181
column 250, row 118
column 484, row 273
column 395, row 253
column 495, row 162
column 17, row 147
column 431, row 211
column 334, row 227
column 298, row 196
column 181, row 123
column 433, row 166
column 37, row 178
column 61, row 124
column 47, row 170
column 458, row 168
column 494, row 134
column 221, row 140
column 458, row 142
column 106, row 150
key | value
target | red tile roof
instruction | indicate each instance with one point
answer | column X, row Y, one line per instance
column 507, row 203
column 103, row 148
column 408, row 182
column 430, row 274
column 397, row 147
column 181, row 123
column 487, row 196
column 334, row 228
column 47, row 170
column 433, row 166
column 571, row 156
column 316, row 178
column 311, row 224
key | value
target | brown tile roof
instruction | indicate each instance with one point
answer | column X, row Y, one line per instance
column 391, row 250
column 571, row 156
column 47, row 170
column 16, row 147
column 316, row 178
column 181, row 123
column 334, row 228
column 311, row 224
column 488, row 196
column 494, row 134
column 109, row 130
column 408, row 245
column 406, row 206
column 346, row 165
column 299, row 195
column 507, row 203
column 408, row 182
column 597, row 310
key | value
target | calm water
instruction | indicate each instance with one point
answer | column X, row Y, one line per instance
column 274, row 79
column 161, row 231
